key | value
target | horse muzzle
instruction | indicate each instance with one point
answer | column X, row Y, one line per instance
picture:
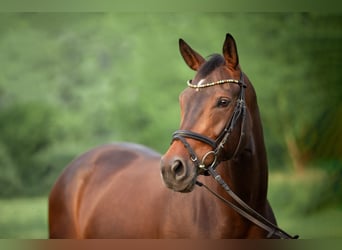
column 177, row 174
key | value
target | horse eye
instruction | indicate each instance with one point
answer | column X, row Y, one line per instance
column 223, row 102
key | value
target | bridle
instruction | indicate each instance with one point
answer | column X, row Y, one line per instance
column 217, row 145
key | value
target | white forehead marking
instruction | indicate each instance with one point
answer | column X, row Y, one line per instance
column 201, row 82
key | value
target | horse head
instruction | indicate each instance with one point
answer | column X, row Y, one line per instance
column 215, row 120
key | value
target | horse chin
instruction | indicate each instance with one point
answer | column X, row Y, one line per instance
column 182, row 187
column 188, row 188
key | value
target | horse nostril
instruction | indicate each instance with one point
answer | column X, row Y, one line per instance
column 178, row 169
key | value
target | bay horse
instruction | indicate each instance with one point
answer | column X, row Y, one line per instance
column 126, row 190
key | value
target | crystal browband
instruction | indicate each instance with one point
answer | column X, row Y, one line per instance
column 211, row 83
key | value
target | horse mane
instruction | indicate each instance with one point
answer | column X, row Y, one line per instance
column 211, row 64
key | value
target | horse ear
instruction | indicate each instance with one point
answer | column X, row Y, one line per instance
column 230, row 52
column 191, row 57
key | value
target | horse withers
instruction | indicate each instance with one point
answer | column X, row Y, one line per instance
column 116, row 190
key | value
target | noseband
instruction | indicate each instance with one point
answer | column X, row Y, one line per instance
column 218, row 144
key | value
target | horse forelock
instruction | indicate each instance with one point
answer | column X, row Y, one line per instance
column 214, row 61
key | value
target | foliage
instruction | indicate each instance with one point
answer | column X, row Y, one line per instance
column 69, row 82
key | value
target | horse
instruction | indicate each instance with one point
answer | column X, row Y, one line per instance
column 126, row 190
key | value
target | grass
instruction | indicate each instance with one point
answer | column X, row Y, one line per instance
column 324, row 224
column 23, row 218
column 297, row 200
column 301, row 203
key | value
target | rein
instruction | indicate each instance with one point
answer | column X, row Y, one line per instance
column 246, row 211
column 217, row 145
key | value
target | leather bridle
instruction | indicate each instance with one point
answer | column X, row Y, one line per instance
column 217, row 145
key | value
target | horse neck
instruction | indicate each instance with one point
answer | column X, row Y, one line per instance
column 247, row 173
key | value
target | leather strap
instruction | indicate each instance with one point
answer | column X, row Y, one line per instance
column 246, row 211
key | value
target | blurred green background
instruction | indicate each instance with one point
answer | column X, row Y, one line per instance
column 72, row 81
